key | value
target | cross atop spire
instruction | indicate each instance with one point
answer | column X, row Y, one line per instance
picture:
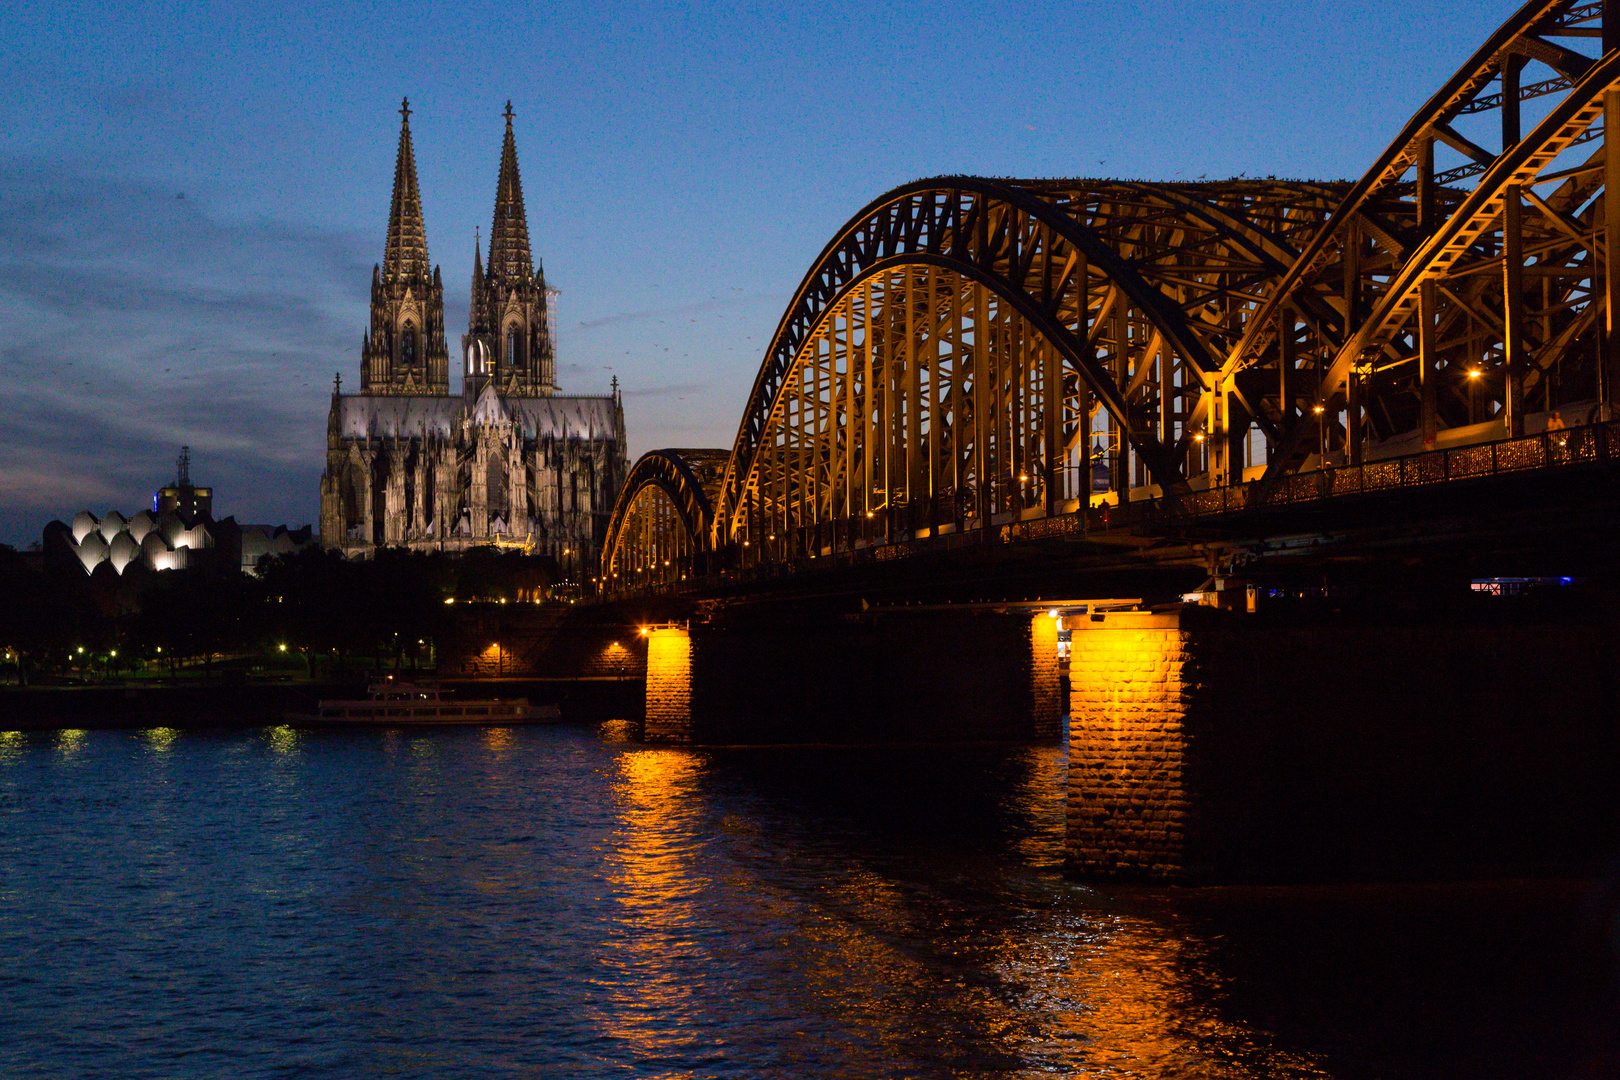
column 509, row 258
column 406, row 253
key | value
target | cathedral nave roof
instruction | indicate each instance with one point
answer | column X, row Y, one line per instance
column 416, row 416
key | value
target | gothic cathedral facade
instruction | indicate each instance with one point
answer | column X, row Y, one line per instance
column 509, row 461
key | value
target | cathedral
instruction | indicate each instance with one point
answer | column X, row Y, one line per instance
column 509, row 461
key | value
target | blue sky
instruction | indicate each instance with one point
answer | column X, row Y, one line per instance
column 192, row 195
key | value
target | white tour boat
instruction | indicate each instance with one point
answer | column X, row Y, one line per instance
column 392, row 704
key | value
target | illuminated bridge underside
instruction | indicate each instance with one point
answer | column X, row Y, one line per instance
column 970, row 352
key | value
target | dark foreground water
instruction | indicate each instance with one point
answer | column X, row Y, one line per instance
column 562, row 902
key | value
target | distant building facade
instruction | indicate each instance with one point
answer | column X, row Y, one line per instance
column 509, row 461
column 178, row 532
column 163, row 541
column 183, row 497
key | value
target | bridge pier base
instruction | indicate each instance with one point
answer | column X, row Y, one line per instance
column 1212, row 747
column 669, row 686
column 926, row 676
column 1131, row 707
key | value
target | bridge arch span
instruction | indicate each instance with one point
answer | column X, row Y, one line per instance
column 663, row 517
column 1124, row 293
column 1474, row 263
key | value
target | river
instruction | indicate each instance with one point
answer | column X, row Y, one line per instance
column 562, row 901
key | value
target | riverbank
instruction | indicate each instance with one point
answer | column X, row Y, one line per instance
column 191, row 706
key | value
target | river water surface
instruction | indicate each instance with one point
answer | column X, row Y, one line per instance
column 565, row 902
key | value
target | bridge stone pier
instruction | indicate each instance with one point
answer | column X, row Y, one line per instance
column 1214, row 747
column 896, row 676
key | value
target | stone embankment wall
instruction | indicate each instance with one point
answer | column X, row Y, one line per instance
column 545, row 641
column 1225, row 749
column 193, row 705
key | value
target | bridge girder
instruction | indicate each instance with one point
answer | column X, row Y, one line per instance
column 1468, row 291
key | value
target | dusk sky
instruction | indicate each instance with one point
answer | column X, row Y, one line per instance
column 192, row 195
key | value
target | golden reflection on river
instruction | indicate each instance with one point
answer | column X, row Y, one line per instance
column 159, row 739
column 550, row 902
column 1123, row 995
column 497, row 740
column 283, row 740
column 650, row 878
column 69, row 741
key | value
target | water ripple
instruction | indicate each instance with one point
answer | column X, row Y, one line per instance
column 565, row 902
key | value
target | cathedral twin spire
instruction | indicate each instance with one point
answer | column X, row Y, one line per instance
column 509, row 257
column 509, row 327
column 509, row 341
column 404, row 351
column 406, row 253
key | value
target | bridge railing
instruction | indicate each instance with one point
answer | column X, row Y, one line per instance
column 862, row 542
column 1586, row 444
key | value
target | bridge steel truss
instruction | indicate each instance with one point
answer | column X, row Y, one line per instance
column 964, row 347
column 967, row 352
column 663, row 516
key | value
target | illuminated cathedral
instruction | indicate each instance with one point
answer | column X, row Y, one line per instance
column 509, row 461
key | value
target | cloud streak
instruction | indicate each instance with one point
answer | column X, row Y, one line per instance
column 132, row 321
column 668, row 390
column 685, row 309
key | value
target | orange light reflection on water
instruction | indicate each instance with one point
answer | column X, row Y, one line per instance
column 1124, row 995
column 649, row 873
column 853, row 980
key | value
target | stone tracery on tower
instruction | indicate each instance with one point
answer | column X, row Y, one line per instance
column 510, row 313
column 404, row 352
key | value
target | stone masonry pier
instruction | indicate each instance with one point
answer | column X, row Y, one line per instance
column 1212, row 747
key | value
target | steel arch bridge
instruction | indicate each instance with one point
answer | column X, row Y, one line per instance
column 970, row 353
column 665, row 512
